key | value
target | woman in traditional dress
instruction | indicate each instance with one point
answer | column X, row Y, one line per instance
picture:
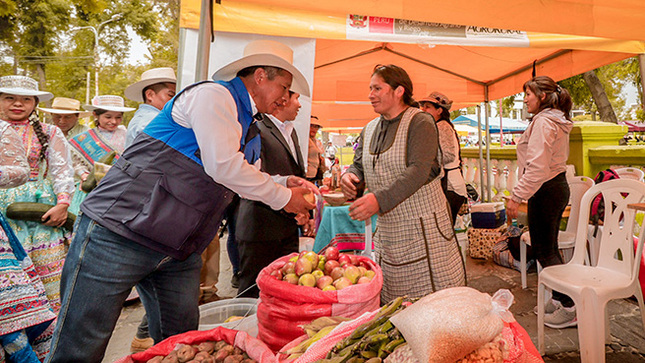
column 453, row 184
column 51, row 180
column 398, row 158
column 106, row 136
column 24, row 308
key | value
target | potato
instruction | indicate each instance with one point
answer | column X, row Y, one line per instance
column 208, row 347
column 220, row 344
column 237, row 358
column 201, row 356
column 223, row 353
column 171, row 358
column 156, row 359
column 185, row 353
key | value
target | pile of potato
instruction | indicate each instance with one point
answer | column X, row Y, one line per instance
column 205, row 352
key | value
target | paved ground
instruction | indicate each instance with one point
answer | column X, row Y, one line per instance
column 628, row 336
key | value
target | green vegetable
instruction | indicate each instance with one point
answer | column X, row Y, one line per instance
column 27, row 211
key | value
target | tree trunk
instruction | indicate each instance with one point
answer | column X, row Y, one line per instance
column 42, row 80
column 607, row 113
column 641, row 62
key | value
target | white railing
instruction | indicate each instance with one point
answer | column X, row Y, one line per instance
column 504, row 175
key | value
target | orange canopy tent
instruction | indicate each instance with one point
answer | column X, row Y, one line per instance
column 460, row 56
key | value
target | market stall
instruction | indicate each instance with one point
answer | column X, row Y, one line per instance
column 326, row 308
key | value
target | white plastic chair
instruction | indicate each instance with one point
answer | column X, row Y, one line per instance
column 578, row 185
column 615, row 276
column 631, row 173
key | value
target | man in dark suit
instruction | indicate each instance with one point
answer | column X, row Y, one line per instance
column 263, row 234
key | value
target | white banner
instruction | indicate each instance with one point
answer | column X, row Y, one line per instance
column 362, row 27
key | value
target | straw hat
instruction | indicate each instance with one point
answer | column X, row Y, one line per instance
column 108, row 103
column 23, row 86
column 438, row 99
column 65, row 106
column 266, row 53
column 314, row 122
column 148, row 78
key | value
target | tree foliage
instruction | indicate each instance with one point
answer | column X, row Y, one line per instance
column 507, row 105
column 613, row 78
column 42, row 39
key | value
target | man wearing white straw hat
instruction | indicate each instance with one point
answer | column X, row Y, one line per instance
column 65, row 114
column 156, row 87
column 159, row 206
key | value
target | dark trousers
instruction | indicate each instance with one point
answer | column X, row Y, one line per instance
column 545, row 209
column 456, row 201
column 231, row 243
column 256, row 255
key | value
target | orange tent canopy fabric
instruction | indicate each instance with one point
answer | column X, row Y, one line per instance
column 463, row 62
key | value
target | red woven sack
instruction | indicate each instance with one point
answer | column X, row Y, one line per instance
column 253, row 347
column 285, row 307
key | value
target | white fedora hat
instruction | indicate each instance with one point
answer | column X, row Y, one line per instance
column 266, row 53
column 108, row 103
column 23, row 86
column 148, row 78
column 65, row 106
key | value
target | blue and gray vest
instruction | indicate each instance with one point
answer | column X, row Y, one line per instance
column 158, row 194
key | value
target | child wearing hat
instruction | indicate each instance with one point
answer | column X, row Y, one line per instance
column 65, row 114
column 107, row 135
column 156, row 87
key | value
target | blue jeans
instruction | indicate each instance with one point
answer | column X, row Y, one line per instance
column 100, row 270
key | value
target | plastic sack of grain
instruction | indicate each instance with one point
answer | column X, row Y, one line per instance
column 447, row 325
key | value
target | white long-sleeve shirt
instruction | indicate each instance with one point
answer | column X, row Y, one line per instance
column 210, row 110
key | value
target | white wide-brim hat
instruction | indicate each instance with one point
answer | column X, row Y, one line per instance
column 108, row 103
column 65, row 106
column 148, row 78
column 266, row 53
column 23, row 86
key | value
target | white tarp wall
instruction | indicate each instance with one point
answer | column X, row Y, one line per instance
column 228, row 47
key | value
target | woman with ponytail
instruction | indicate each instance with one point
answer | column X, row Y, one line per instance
column 51, row 180
column 542, row 153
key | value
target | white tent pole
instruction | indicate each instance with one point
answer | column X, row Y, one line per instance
column 481, row 155
column 489, row 172
column 204, row 41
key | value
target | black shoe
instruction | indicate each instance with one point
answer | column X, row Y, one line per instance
column 235, row 280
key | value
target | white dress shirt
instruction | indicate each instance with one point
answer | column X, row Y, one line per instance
column 286, row 128
column 210, row 110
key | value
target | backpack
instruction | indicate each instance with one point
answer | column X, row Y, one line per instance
column 597, row 213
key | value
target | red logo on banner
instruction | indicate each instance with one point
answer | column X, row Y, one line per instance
column 358, row 21
column 381, row 25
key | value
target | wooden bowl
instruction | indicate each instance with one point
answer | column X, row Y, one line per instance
column 335, row 199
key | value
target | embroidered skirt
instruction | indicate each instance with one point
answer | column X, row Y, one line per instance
column 44, row 245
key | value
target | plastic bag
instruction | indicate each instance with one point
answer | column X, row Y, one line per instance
column 253, row 347
column 284, row 307
column 448, row 324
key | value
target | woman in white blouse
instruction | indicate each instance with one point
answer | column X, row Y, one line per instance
column 51, row 180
